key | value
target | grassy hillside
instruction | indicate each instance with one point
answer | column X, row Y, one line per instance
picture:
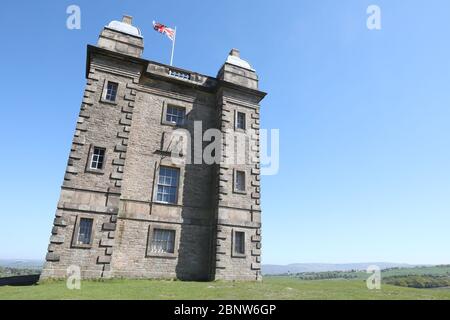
column 270, row 288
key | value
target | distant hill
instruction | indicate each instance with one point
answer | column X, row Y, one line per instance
column 270, row 269
column 267, row 269
column 22, row 263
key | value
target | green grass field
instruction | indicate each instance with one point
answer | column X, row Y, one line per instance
column 269, row 288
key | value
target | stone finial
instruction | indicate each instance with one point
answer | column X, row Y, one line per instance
column 127, row 19
column 235, row 53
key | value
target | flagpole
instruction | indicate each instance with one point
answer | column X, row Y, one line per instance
column 173, row 46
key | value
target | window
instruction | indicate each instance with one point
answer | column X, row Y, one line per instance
column 239, row 183
column 167, row 185
column 111, row 91
column 240, row 120
column 175, row 115
column 98, row 157
column 239, row 242
column 163, row 241
column 85, row 231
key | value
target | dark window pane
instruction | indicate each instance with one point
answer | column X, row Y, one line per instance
column 111, row 91
column 98, row 156
column 85, row 231
column 240, row 180
column 239, row 242
column 175, row 115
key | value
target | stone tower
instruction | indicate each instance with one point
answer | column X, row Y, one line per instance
column 126, row 208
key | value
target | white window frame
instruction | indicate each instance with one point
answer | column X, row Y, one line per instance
column 105, row 92
column 167, row 114
column 115, row 93
column 175, row 187
column 92, row 161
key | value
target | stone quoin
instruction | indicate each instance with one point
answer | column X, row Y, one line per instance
column 125, row 209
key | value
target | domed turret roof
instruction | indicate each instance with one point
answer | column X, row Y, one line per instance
column 125, row 28
column 235, row 59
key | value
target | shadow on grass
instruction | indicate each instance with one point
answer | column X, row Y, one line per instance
column 27, row 280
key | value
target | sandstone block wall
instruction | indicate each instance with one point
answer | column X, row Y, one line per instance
column 120, row 198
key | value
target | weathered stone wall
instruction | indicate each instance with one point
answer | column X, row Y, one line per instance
column 230, row 267
column 132, row 259
column 238, row 210
column 121, row 197
column 191, row 216
column 85, row 192
column 61, row 254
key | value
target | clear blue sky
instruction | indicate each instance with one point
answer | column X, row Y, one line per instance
column 363, row 116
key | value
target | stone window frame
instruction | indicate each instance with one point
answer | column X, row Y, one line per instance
column 235, row 190
column 236, row 113
column 179, row 184
column 105, row 91
column 164, row 115
column 89, row 159
column 235, row 254
column 161, row 226
column 76, row 231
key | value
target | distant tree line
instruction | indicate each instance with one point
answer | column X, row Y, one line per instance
column 10, row 272
column 326, row 275
column 419, row 281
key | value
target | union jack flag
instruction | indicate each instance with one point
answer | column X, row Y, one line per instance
column 169, row 32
